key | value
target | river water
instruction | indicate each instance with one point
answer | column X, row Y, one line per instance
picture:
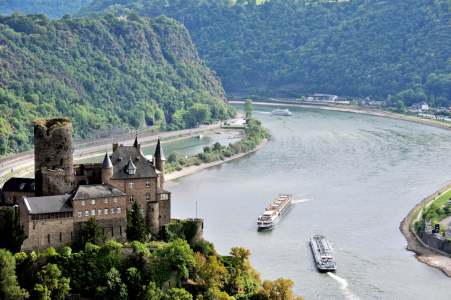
column 354, row 178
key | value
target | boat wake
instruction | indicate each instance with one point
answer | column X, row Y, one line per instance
column 300, row 201
column 262, row 112
column 343, row 286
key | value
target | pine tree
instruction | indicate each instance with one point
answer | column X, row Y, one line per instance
column 92, row 233
column 136, row 226
column 9, row 287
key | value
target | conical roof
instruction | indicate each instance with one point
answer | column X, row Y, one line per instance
column 106, row 162
column 136, row 143
column 159, row 156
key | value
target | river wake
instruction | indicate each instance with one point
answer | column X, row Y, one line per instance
column 343, row 286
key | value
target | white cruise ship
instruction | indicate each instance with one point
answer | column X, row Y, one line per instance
column 281, row 112
column 275, row 212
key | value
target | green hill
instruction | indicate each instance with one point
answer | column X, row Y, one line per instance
column 107, row 75
column 294, row 47
column 51, row 8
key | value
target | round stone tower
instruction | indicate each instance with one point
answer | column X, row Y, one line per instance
column 53, row 153
column 200, row 228
column 153, row 214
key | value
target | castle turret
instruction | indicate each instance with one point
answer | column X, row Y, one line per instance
column 106, row 169
column 136, row 144
column 153, row 215
column 53, row 156
column 159, row 161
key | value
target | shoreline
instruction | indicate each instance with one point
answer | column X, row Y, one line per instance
column 370, row 112
column 194, row 169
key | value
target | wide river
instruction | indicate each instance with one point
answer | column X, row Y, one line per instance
column 354, row 178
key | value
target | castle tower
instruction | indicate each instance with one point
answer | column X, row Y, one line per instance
column 106, row 169
column 159, row 161
column 53, row 156
column 153, row 214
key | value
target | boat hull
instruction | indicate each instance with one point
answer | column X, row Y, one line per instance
column 322, row 254
column 267, row 225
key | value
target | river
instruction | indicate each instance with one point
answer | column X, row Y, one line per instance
column 354, row 178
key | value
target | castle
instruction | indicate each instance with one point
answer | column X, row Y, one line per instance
column 66, row 195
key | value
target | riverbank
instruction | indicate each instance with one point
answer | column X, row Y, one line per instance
column 433, row 258
column 193, row 169
column 371, row 112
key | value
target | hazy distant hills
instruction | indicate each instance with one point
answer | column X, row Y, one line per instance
column 51, row 8
column 107, row 75
column 367, row 48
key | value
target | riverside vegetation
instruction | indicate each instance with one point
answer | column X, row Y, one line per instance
column 255, row 133
column 143, row 268
column 295, row 47
column 108, row 75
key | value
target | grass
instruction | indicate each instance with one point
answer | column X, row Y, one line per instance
column 440, row 201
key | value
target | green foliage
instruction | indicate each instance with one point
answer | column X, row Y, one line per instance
column 179, row 254
column 51, row 285
column 173, row 156
column 114, row 289
column 158, row 274
column 91, row 232
column 206, row 248
column 248, row 108
column 173, row 231
column 177, row 294
column 12, row 236
column 150, row 292
column 296, row 47
column 108, row 75
column 136, row 226
column 9, row 287
column 50, row 8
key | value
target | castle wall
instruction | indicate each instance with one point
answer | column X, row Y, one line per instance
column 13, row 197
column 53, row 150
column 153, row 212
column 91, row 207
column 90, row 172
column 200, row 229
column 113, row 228
column 165, row 212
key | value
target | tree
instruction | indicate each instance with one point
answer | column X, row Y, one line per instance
column 51, row 285
column 400, row 106
column 279, row 289
column 248, row 108
column 115, row 289
column 173, row 156
column 9, row 287
column 213, row 273
column 207, row 149
column 12, row 236
column 136, row 226
column 92, row 233
column 217, row 146
column 179, row 254
column 150, row 292
column 177, row 294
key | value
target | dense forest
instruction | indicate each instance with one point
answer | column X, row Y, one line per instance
column 108, row 75
column 51, row 8
column 295, row 47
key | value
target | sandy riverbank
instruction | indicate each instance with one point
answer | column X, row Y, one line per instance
column 371, row 112
column 194, row 169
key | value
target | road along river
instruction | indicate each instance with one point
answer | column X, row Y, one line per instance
column 354, row 178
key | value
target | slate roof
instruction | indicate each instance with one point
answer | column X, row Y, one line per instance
column 159, row 155
column 48, row 204
column 162, row 191
column 92, row 191
column 130, row 166
column 136, row 143
column 106, row 162
column 120, row 160
column 17, row 184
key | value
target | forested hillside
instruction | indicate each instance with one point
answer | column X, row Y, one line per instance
column 51, row 8
column 107, row 75
column 358, row 47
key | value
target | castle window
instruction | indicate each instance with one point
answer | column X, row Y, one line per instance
column 99, row 212
column 83, row 202
column 131, row 184
column 165, row 216
column 119, row 211
column 152, row 209
column 93, row 212
column 61, row 236
column 80, row 214
column 106, row 211
column 106, row 200
column 131, row 198
column 86, row 213
column 148, row 197
column 112, row 210
column 8, row 199
column 48, row 237
column 164, row 197
column 142, row 211
column 147, row 183
column 93, row 201
column 115, row 199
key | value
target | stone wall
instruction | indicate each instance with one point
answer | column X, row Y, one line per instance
column 99, row 208
column 435, row 242
column 113, row 228
column 165, row 212
column 14, row 197
column 90, row 173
